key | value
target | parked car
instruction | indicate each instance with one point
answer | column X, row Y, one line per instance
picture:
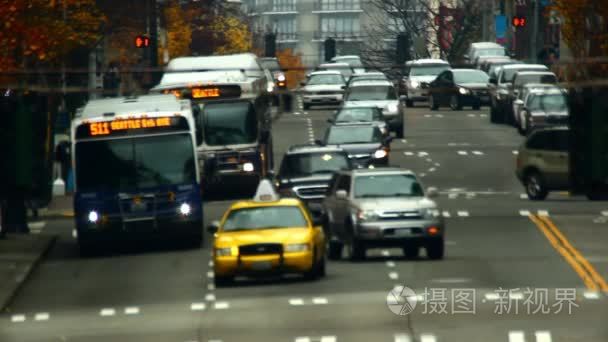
column 381, row 94
column 542, row 108
column 360, row 114
column 353, row 60
column 364, row 143
column 306, row 170
column 500, row 103
column 543, row 162
column 417, row 74
column 323, row 88
column 385, row 207
column 458, row 88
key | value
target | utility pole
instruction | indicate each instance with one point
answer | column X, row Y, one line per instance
column 63, row 73
column 534, row 38
column 484, row 21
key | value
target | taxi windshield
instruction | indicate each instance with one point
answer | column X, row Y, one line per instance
column 265, row 218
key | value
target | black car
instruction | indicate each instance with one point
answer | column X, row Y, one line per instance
column 364, row 143
column 306, row 171
column 458, row 88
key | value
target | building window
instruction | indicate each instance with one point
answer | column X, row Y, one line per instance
column 285, row 28
column 337, row 5
column 340, row 27
column 284, row 5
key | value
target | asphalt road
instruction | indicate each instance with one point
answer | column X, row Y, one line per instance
column 515, row 270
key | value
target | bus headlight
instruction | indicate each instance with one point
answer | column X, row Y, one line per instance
column 185, row 209
column 93, row 216
column 392, row 108
column 248, row 167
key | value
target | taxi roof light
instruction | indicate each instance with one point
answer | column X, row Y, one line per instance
column 266, row 192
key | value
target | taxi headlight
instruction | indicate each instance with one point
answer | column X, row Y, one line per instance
column 297, row 247
column 463, row 91
column 248, row 167
column 367, row 215
column 415, row 84
column 392, row 107
column 185, row 209
column 93, row 216
column 379, row 154
column 223, row 251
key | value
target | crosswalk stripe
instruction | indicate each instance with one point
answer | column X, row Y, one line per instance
column 543, row 336
column 463, row 153
column 402, row 338
column 427, row 338
column 517, row 336
column 328, row 338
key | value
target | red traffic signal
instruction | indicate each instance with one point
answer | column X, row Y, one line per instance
column 142, row 41
column 519, row 21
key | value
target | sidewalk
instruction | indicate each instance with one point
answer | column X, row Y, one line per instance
column 19, row 256
column 60, row 207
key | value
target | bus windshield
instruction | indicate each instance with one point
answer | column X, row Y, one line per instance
column 229, row 123
column 135, row 163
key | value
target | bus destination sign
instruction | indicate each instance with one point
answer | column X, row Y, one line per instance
column 147, row 125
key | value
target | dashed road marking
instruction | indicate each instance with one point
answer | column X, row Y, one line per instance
column 197, row 306
column 385, row 252
column 523, row 196
column 18, row 318
column 133, row 310
column 542, row 336
column 452, row 195
column 210, row 287
column 478, row 153
column 404, row 141
column 446, row 214
column 524, row 212
column 107, row 312
column 543, row 213
column 42, row 316
column 427, row 338
column 221, row 305
column 402, row 338
column 210, row 263
column 320, row 301
column 437, row 164
column 463, row 213
column 423, row 174
column 408, row 153
column 463, row 153
column 210, row 297
column 210, row 274
column 393, row 275
column 492, row 296
column 296, row 301
column 591, row 295
column 432, row 169
column 320, row 339
column 422, row 154
column 390, row 264
column 605, row 213
column 515, row 152
column 517, row 336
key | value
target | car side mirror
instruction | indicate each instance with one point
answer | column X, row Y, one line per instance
column 432, row 192
column 213, row 227
column 341, row 194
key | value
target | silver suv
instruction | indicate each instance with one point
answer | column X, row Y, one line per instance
column 382, row 207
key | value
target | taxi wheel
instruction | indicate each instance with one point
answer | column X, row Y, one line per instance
column 223, row 280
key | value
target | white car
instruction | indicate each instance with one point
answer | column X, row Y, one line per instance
column 323, row 88
column 417, row 75
column 353, row 60
column 381, row 94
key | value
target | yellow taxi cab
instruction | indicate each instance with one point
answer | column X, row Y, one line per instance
column 267, row 235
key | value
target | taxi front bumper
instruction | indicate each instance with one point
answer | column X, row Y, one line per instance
column 292, row 262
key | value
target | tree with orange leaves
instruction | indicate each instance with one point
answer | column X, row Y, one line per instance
column 292, row 64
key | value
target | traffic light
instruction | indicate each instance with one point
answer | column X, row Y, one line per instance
column 270, row 45
column 518, row 21
column 142, row 41
column 330, row 49
column 403, row 48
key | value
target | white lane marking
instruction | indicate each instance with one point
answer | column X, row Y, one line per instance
column 306, row 113
column 451, row 280
column 516, row 296
column 427, row 338
column 17, row 318
column 517, row 336
column 479, row 153
column 404, row 141
column 390, row 264
column 470, row 195
column 439, row 115
column 328, row 339
column 211, row 341
column 471, row 115
column 210, row 287
column 463, row 153
column 393, row 275
column 463, row 213
column 452, row 195
column 492, row 296
column 385, row 253
column 523, row 196
column 605, row 213
column 210, row 297
column 437, row 164
column 422, row 154
column 543, row 213
column 450, row 243
column 408, row 153
column 303, row 339
column 197, row 306
column 296, row 301
column 543, row 336
column 320, row 301
column 210, row 274
column 483, row 115
column 74, row 233
column 446, row 214
column 591, row 295
column 524, row 212
column 402, row 338
column 515, row 152
column 36, row 225
column 42, row 316
column 296, row 113
column 429, row 160
column 432, row 169
column 427, row 115
column 210, row 263
column 133, row 310
column 423, row 174
column 107, row 312
column 221, row 305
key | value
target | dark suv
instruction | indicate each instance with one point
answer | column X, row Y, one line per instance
column 306, row 171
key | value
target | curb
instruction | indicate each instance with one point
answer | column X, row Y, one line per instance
column 30, row 269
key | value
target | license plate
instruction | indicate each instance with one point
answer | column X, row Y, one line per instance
column 261, row 265
column 403, row 232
